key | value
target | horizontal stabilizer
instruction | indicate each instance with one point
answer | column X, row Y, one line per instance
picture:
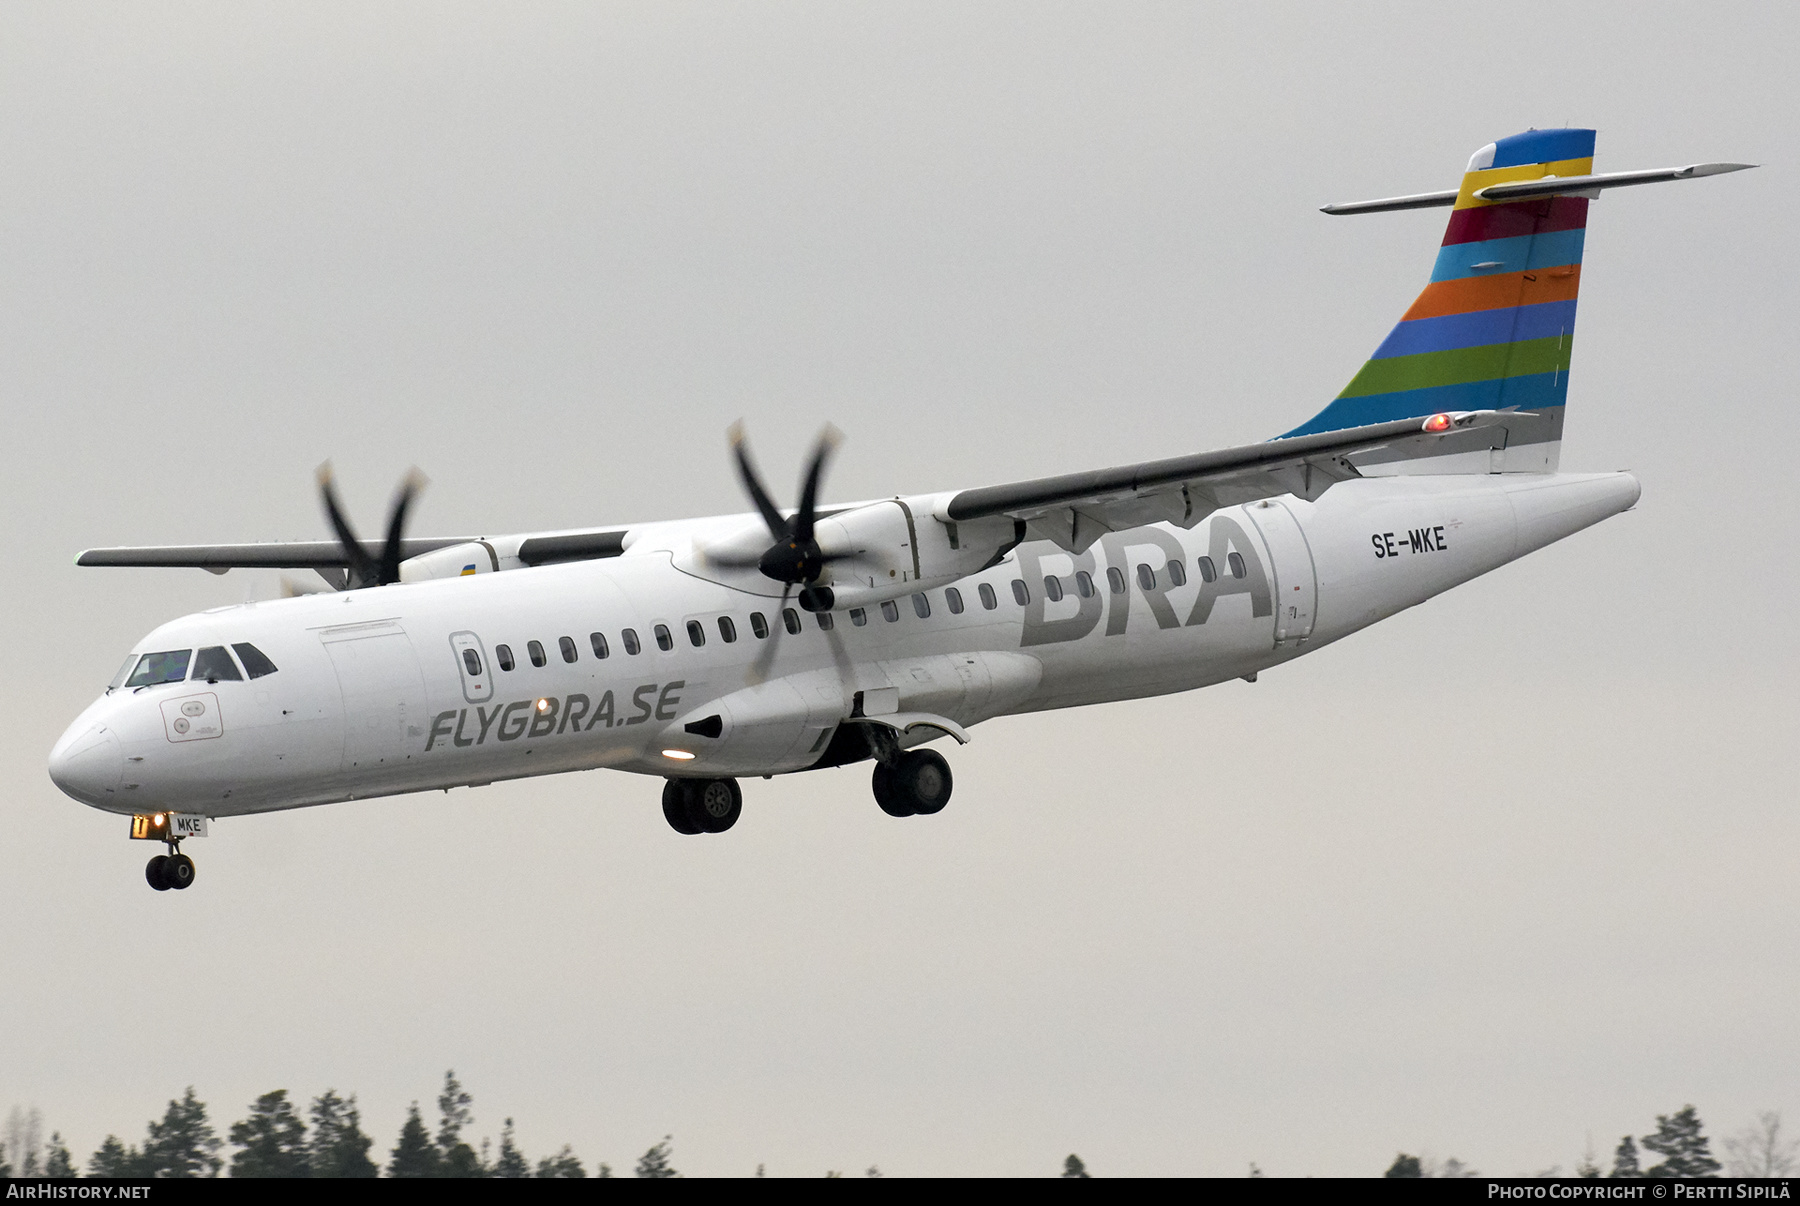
column 1386, row 204
column 1551, row 186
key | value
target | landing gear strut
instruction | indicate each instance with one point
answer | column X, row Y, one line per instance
column 916, row 783
column 702, row 805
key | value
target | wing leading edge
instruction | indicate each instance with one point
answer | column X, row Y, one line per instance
column 328, row 555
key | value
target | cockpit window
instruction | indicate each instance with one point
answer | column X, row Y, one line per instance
column 119, row 678
column 256, row 662
column 215, row 666
column 154, row 668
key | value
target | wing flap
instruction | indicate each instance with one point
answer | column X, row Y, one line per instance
column 1075, row 509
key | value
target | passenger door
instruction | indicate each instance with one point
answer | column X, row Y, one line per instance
column 1295, row 585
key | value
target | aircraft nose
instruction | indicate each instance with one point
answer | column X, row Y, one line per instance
column 88, row 764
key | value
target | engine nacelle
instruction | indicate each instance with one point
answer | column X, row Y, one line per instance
column 457, row 561
column 895, row 547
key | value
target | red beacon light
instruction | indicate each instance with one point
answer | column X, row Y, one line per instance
column 1439, row 422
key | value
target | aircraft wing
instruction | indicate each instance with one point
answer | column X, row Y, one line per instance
column 1074, row 509
column 329, row 555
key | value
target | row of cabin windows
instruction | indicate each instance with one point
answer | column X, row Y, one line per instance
column 890, row 611
column 629, row 641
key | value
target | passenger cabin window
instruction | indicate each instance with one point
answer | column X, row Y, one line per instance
column 503, row 656
column 567, row 645
column 858, row 616
column 1021, row 592
column 988, row 600
column 597, row 642
column 826, row 620
column 1177, row 573
column 256, row 663
column 536, row 650
column 154, row 668
column 214, row 665
column 696, row 633
column 953, row 600
column 759, row 625
column 727, row 629
column 1146, row 577
column 1084, row 584
column 1236, row 562
column 790, row 620
column 628, row 638
column 664, row 641
column 921, row 606
column 890, row 611
column 1053, row 588
column 1208, row 571
column 1115, row 579
column 472, row 663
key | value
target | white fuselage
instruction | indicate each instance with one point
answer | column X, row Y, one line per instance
column 373, row 695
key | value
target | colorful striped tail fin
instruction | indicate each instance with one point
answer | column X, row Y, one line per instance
column 1494, row 328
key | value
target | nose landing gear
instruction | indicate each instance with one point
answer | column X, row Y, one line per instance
column 172, row 870
column 693, row 806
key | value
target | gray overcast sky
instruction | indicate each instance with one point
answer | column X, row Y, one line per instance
column 1508, row 871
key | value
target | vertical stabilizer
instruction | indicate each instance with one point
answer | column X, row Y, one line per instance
column 1494, row 328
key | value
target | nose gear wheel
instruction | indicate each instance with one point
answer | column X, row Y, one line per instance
column 167, row 871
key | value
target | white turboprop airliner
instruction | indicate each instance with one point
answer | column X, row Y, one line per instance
column 761, row 644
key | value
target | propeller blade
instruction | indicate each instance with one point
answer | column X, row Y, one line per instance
column 845, row 667
column 740, row 447
column 410, row 485
column 731, row 560
column 829, row 439
column 759, row 669
column 363, row 569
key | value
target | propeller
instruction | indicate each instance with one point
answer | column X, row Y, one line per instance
column 794, row 558
column 365, row 570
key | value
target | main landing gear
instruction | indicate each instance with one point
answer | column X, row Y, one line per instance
column 171, row 870
column 702, row 805
column 916, row 783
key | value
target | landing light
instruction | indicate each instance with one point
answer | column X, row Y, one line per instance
column 1438, row 422
column 543, row 705
column 158, row 821
column 678, row 755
